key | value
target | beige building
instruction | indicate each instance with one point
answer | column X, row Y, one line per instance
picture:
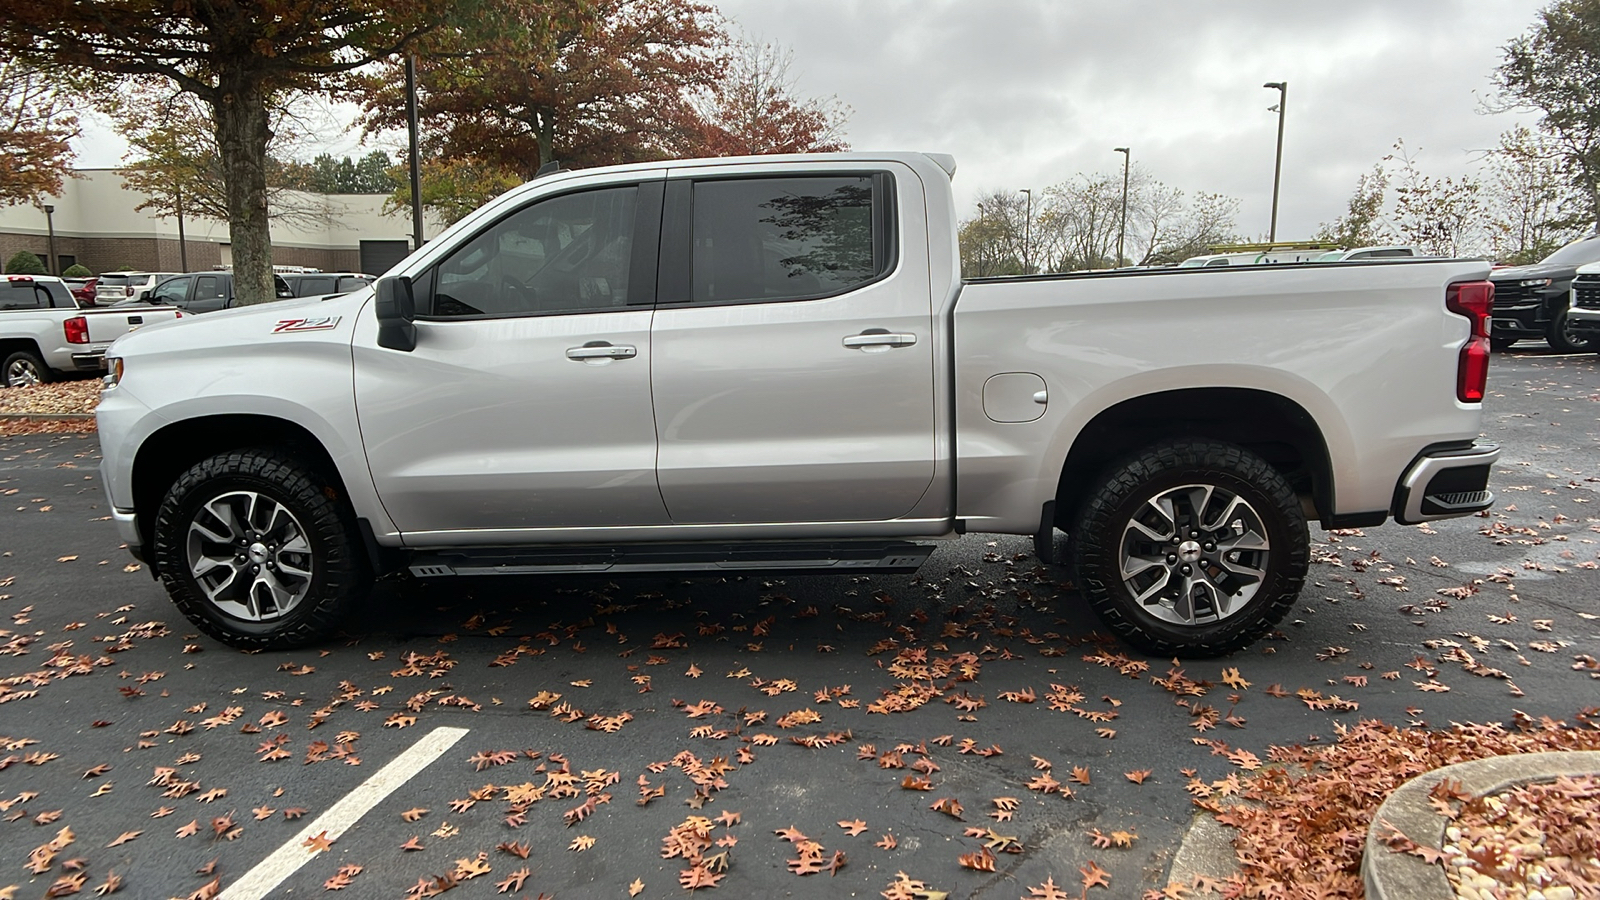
column 97, row 226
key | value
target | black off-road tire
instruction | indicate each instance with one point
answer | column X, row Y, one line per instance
column 24, row 360
column 1125, row 486
column 341, row 575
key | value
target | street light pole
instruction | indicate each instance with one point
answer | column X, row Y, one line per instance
column 1027, row 234
column 1122, row 229
column 50, row 223
column 183, row 242
column 1282, row 87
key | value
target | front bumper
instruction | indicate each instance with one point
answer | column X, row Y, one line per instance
column 1584, row 321
column 128, row 529
column 1445, row 484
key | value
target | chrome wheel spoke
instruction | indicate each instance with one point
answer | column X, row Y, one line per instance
column 1194, row 555
column 250, row 556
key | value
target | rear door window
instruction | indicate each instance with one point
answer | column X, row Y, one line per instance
column 311, row 287
column 210, row 294
column 789, row 238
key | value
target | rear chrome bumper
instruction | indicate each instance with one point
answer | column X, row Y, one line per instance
column 1445, row 484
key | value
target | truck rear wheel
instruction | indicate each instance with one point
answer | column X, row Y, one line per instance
column 24, row 369
column 1191, row 548
column 257, row 551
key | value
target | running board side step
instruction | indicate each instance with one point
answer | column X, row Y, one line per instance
column 773, row 556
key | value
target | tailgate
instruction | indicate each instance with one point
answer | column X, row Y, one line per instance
column 106, row 325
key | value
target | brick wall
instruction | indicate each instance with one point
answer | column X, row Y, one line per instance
column 150, row 254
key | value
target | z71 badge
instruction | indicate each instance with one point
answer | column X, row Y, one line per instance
column 317, row 323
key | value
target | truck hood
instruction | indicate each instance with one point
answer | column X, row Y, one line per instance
column 279, row 320
column 1537, row 270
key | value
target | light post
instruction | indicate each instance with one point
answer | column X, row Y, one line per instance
column 183, row 242
column 1027, row 233
column 1282, row 87
column 50, row 223
column 1122, row 229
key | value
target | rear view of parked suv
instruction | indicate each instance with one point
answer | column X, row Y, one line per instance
column 114, row 287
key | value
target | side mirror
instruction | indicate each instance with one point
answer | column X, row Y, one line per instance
column 396, row 311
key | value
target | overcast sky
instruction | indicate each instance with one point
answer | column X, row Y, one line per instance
column 1026, row 93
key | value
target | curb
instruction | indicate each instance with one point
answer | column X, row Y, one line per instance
column 1402, row 876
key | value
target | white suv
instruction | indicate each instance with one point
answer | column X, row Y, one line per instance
column 116, row 286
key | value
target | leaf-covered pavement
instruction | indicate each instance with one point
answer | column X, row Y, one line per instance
column 964, row 730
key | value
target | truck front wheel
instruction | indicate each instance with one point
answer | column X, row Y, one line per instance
column 1191, row 548
column 257, row 551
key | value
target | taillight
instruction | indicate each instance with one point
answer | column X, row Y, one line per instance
column 77, row 329
column 1472, row 299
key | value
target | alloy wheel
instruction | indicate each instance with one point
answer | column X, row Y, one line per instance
column 1194, row 555
column 249, row 555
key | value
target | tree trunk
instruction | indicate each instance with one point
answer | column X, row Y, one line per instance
column 547, row 138
column 243, row 130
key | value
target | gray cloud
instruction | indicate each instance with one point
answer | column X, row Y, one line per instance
column 1026, row 94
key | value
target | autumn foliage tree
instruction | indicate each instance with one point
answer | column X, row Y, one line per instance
column 234, row 56
column 36, row 130
column 588, row 82
column 756, row 108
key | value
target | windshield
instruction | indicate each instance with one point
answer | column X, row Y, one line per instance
column 1577, row 253
column 116, row 280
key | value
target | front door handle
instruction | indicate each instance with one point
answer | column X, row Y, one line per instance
column 875, row 338
column 602, row 350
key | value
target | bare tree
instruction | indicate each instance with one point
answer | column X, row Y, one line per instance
column 1362, row 225
column 992, row 240
column 1534, row 207
column 757, row 107
column 36, row 131
column 1442, row 216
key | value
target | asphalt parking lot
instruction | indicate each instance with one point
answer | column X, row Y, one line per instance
column 556, row 736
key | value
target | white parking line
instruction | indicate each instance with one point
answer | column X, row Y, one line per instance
column 270, row 872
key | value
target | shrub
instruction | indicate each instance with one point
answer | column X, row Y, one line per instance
column 25, row 263
column 77, row 271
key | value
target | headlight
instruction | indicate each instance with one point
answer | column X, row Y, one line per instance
column 1534, row 283
column 113, row 371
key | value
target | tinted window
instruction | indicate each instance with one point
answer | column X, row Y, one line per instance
column 59, row 294
column 171, row 292
column 565, row 254
column 784, row 238
column 208, row 287
column 22, row 295
column 353, row 283
column 1216, row 262
column 310, row 287
column 282, row 287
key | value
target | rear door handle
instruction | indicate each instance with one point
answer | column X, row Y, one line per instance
column 602, row 350
column 878, row 339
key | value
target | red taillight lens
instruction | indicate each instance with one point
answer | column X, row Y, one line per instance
column 1473, row 299
column 77, row 329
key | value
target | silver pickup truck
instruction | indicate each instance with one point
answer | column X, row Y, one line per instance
column 773, row 363
column 44, row 335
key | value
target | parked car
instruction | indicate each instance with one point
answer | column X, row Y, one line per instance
column 116, row 286
column 44, row 335
column 1532, row 301
column 317, row 284
column 1583, row 307
column 83, row 290
column 203, row 292
column 773, row 363
column 1394, row 251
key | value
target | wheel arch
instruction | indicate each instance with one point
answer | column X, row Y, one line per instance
column 173, row 448
column 1268, row 424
